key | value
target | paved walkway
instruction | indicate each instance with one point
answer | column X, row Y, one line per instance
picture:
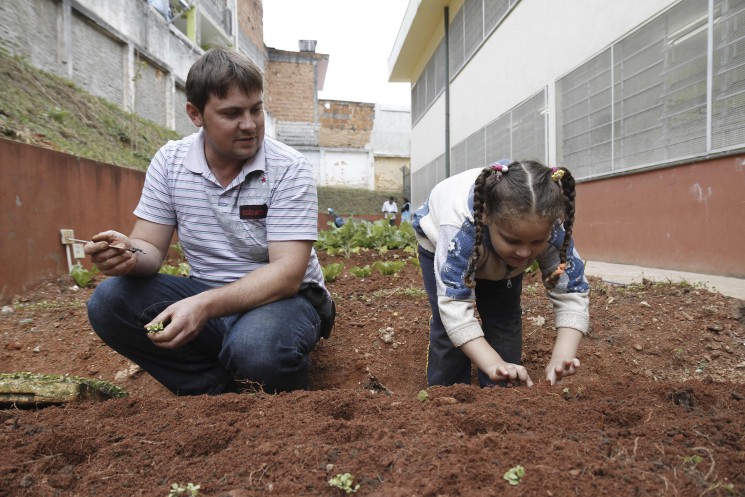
column 622, row 273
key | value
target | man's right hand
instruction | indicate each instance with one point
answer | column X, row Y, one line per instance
column 109, row 260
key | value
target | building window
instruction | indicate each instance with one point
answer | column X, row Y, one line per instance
column 649, row 99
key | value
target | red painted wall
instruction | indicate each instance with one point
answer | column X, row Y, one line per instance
column 688, row 218
column 43, row 191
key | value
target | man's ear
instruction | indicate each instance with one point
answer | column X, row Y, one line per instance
column 194, row 114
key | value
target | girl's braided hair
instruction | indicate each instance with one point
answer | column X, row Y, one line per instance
column 521, row 189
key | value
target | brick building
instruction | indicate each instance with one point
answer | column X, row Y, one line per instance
column 353, row 144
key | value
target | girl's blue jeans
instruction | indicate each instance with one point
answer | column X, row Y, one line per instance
column 268, row 346
column 499, row 308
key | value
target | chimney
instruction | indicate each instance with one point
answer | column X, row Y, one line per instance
column 307, row 45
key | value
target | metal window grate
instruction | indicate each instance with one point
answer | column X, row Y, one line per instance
column 457, row 43
column 728, row 85
column 476, row 150
column 473, row 25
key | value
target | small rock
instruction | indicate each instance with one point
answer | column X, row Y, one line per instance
column 130, row 372
column 14, row 346
column 37, row 349
column 638, row 347
column 644, row 303
column 26, row 321
column 386, row 334
column 537, row 321
column 740, row 366
column 716, row 328
column 8, row 309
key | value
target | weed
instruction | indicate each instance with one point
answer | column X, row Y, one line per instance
column 422, row 396
column 413, row 292
column 45, row 304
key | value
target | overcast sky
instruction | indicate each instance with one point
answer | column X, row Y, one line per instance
column 358, row 36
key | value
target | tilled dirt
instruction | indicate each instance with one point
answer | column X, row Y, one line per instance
column 658, row 407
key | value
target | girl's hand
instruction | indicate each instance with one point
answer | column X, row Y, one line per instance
column 509, row 372
column 556, row 370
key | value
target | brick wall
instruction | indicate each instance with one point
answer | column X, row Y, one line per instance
column 289, row 91
column 345, row 124
column 250, row 20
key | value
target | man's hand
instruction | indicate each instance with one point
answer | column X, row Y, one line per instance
column 182, row 320
column 556, row 370
column 111, row 261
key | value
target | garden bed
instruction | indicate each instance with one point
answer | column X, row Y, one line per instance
column 658, row 407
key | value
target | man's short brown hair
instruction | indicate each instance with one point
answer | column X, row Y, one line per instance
column 215, row 72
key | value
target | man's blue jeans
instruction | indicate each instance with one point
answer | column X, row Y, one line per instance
column 501, row 320
column 268, row 346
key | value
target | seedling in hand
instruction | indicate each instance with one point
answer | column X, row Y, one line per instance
column 154, row 328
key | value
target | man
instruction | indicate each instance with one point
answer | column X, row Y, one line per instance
column 245, row 210
column 389, row 210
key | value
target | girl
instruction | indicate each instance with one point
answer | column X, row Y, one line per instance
column 478, row 232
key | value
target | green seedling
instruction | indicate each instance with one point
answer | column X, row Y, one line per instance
column 155, row 328
column 388, row 268
column 692, row 460
column 332, row 271
column 514, row 475
column 344, row 482
column 423, row 396
column 361, row 272
column 188, row 490
column 83, row 277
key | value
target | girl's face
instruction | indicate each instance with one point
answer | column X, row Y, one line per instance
column 520, row 241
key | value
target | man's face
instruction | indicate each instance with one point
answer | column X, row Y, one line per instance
column 233, row 127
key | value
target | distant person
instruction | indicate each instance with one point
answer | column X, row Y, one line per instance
column 406, row 211
column 338, row 220
column 390, row 209
column 245, row 209
column 478, row 232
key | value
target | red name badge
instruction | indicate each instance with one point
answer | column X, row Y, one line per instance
column 253, row 211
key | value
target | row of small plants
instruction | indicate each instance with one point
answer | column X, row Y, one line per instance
column 387, row 268
column 357, row 235
column 354, row 236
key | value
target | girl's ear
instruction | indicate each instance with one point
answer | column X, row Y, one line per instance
column 194, row 114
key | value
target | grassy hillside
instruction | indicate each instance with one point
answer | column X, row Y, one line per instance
column 42, row 109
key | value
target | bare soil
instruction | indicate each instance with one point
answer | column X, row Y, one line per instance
column 658, row 407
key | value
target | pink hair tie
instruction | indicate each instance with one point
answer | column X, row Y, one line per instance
column 500, row 168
